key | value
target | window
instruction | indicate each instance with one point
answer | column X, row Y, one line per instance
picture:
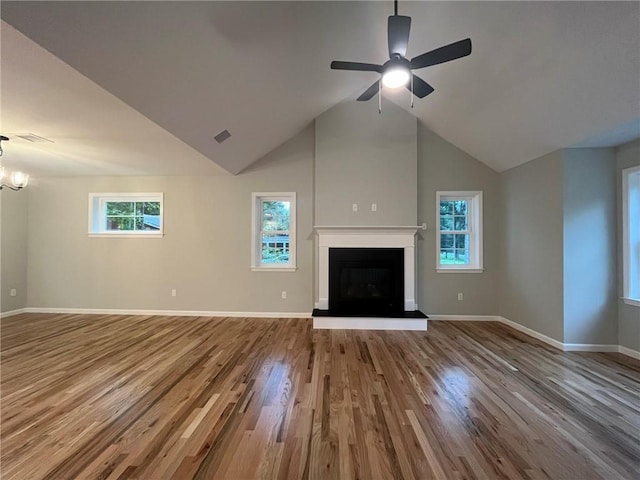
column 274, row 232
column 459, row 233
column 125, row 214
column 631, row 235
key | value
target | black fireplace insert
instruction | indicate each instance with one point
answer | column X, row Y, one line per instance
column 366, row 281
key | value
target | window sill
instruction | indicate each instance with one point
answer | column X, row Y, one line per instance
column 273, row 269
column 126, row 235
column 460, row 270
column 631, row 301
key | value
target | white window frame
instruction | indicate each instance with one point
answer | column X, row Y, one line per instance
column 97, row 214
column 628, row 253
column 475, row 231
column 256, row 231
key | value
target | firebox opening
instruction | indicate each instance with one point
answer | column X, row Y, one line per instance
column 366, row 281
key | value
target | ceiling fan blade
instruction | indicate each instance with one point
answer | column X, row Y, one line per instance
column 398, row 28
column 356, row 66
column 442, row 54
column 369, row 92
column 420, row 88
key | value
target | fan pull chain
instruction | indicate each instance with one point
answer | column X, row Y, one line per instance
column 411, row 91
column 379, row 97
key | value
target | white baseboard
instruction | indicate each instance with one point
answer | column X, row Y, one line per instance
column 11, row 313
column 369, row 323
column 572, row 347
column 629, row 352
column 495, row 318
column 169, row 313
column 465, row 318
column 532, row 333
column 589, row 347
column 565, row 347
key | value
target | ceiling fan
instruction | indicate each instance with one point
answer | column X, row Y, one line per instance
column 396, row 72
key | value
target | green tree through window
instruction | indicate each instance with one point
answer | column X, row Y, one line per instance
column 133, row 215
column 459, row 231
column 275, row 232
column 454, row 238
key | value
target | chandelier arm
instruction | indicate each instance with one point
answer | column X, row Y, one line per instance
column 23, row 176
column 15, row 189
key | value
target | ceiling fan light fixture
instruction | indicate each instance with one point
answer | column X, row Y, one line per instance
column 396, row 77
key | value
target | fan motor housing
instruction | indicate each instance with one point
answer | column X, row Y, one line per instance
column 396, row 62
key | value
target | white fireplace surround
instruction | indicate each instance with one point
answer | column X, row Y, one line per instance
column 367, row 237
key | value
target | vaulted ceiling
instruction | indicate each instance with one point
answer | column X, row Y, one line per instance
column 128, row 88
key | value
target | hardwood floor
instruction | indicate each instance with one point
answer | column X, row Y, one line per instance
column 122, row 397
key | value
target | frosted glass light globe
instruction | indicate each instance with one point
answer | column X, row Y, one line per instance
column 19, row 179
column 396, row 77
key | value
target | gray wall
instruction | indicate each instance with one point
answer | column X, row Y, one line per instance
column 13, row 249
column 531, row 246
column 540, row 223
column 628, row 155
column 363, row 157
column 443, row 166
column 589, row 214
column 204, row 255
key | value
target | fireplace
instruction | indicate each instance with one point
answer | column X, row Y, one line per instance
column 366, row 281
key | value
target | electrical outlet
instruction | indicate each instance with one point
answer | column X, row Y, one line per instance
column 174, row 292
column 460, row 296
column 374, row 207
column 14, row 292
column 354, row 207
column 284, row 295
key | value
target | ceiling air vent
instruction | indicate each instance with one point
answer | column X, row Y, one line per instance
column 222, row 136
column 32, row 137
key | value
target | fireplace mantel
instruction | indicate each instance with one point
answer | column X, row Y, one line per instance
column 366, row 230
column 367, row 237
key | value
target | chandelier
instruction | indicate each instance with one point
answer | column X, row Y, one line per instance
column 17, row 179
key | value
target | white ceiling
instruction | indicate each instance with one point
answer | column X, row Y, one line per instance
column 542, row 76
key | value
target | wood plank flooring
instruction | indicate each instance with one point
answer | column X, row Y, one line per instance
column 148, row 397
